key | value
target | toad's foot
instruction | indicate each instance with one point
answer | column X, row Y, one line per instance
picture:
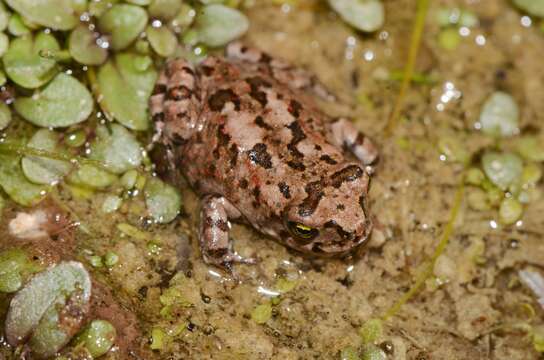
column 346, row 135
column 215, row 244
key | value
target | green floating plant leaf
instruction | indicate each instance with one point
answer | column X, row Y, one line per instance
column 162, row 40
column 63, row 102
column 15, row 183
column 25, row 66
column 56, row 14
column 164, row 9
column 98, row 337
column 42, row 170
column 500, row 115
column 365, row 15
column 126, row 89
column 503, row 169
column 91, row 176
column 118, row 149
column 163, row 201
column 5, row 115
column 83, row 47
column 40, row 308
column 218, row 24
column 15, row 266
column 124, row 22
column 533, row 7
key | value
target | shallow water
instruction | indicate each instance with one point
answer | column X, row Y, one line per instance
column 466, row 315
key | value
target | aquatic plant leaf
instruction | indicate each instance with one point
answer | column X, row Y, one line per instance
column 25, row 66
column 164, row 9
column 42, row 170
column 97, row 337
column 366, row 15
column 56, row 14
column 217, row 24
column 34, row 304
column 533, row 7
column 15, row 265
column 163, row 201
column 5, row 115
column 124, row 22
column 126, row 90
column 118, row 149
column 63, row 102
column 162, row 40
column 83, row 47
column 502, row 169
column 15, row 183
column 91, row 176
column 500, row 115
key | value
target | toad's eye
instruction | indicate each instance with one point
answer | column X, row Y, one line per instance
column 302, row 231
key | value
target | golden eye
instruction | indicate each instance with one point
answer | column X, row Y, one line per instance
column 302, row 231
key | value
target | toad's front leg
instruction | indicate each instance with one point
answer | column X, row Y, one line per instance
column 215, row 243
column 344, row 134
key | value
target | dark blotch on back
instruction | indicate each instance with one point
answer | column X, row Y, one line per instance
column 218, row 99
column 349, row 173
column 310, row 203
column 294, row 108
column 206, row 70
column 178, row 93
column 298, row 136
column 297, row 165
column 159, row 89
column 260, row 156
column 255, row 83
column 260, row 123
column 284, row 189
column 328, row 159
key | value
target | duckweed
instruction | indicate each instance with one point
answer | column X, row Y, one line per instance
column 217, row 25
column 15, row 266
column 371, row 331
column 363, row 15
column 262, row 313
column 474, row 176
column 82, row 44
column 98, row 337
column 128, row 180
column 158, row 339
column 124, row 22
column 478, row 200
column 126, row 90
column 500, row 115
column 5, row 115
column 63, row 102
column 56, row 14
column 373, row 352
column 15, row 183
column 23, row 63
column 16, row 26
column 449, row 39
column 162, row 40
column 91, row 176
column 164, row 9
column 42, row 170
column 510, row 211
column 533, row 7
column 35, row 309
column 530, row 148
column 75, row 138
column 163, row 200
column 111, row 259
column 111, row 203
column 503, row 169
column 117, row 148
column 349, row 353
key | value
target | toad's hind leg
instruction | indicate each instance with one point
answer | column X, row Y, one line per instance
column 215, row 244
column 282, row 71
column 344, row 134
column 175, row 103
